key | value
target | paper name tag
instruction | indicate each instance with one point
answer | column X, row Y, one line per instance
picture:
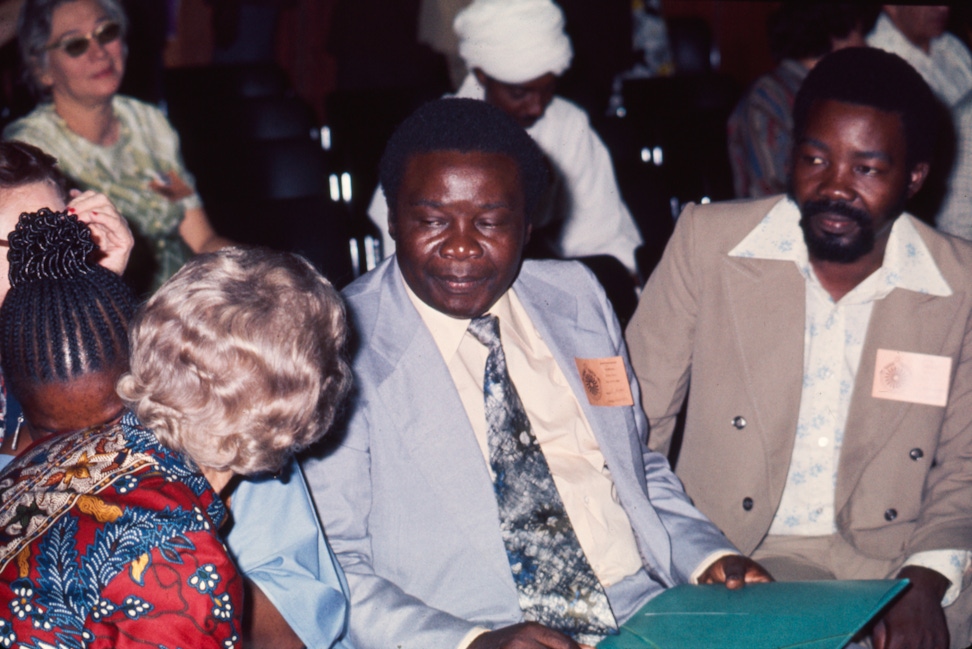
column 910, row 377
column 605, row 381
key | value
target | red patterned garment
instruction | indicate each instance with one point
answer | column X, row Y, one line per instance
column 108, row 539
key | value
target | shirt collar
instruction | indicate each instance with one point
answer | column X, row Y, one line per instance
column 907, row 262
column 447, row 332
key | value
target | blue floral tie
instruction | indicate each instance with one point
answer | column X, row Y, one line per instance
column 556, row 584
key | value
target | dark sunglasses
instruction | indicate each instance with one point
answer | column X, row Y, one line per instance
column 75, row 46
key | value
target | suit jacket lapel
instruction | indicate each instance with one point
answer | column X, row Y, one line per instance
column 435, row 432
column 571, row 332
column 902, row 321
column 555, row 314
column 768, row 314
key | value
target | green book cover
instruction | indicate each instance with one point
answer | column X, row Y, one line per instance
column 778, row 615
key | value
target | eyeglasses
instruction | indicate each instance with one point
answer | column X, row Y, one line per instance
column 75, row 46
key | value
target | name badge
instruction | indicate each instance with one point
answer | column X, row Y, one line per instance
column 605, row 381
column 910, row 377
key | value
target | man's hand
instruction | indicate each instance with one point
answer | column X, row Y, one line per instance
column 735, row 571
column 109, row 229
column 527, row 635
column 916, row 621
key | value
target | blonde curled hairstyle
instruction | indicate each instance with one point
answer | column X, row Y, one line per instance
column 238, row 360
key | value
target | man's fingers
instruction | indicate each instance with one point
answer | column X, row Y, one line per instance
column 879, row 636
column 733, row 570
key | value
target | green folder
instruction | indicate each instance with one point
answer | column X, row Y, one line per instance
column 778, row 615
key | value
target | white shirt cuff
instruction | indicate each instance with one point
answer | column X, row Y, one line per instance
column 472, row 635
column 952, row 564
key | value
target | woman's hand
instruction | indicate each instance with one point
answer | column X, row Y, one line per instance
column 109, row 229
column 175, row 189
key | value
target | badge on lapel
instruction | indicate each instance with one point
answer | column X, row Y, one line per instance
column 911, row 377
column 605, row 381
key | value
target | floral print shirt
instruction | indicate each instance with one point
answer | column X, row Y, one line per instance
column 108, row 539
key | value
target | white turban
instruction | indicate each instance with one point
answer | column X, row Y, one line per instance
column 513, row 41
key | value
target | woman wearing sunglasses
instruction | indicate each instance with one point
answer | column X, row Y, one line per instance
column 74, row 55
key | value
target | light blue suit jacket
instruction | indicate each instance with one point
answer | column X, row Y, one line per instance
column 406, row 498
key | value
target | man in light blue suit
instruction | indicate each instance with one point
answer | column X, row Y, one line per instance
column 410, row 498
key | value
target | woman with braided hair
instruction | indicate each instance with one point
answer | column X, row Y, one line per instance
column 120, row 545
column 29, row 181
column 63, row 329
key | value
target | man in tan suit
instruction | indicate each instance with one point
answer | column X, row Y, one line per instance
column 827, row 341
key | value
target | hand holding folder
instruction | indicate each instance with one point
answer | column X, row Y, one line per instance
column 778, row 615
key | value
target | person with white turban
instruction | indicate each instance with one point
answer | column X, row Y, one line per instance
column 515, row 51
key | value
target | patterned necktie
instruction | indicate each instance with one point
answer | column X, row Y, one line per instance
column 556, row 584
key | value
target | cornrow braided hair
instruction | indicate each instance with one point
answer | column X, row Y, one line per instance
column 64, row 316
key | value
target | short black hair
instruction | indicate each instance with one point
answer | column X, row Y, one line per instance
column 872, row 77
column 464, row 125
column 64, row 316
column 802, row 30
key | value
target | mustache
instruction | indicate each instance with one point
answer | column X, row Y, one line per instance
column 821, row 206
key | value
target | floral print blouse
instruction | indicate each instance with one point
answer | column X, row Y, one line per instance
column 108, row 539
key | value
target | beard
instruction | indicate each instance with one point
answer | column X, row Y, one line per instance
column 843, row 249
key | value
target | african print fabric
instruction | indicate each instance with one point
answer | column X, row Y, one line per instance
column 108, row 539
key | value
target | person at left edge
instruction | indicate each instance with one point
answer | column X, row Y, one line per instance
column 109, row 535
column 296, row 593
column 408, row 497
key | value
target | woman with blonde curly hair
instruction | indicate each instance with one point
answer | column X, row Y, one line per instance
column 236, row 364
column 237, row 346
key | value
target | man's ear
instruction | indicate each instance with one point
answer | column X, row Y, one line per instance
column 917, row 178
column 392, row 230
column 480, row 76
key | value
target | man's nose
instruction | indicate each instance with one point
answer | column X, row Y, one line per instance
column 837, row 183
column 461, row 243
column 535, row 105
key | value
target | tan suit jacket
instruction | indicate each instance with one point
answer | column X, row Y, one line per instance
column 733, row 330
